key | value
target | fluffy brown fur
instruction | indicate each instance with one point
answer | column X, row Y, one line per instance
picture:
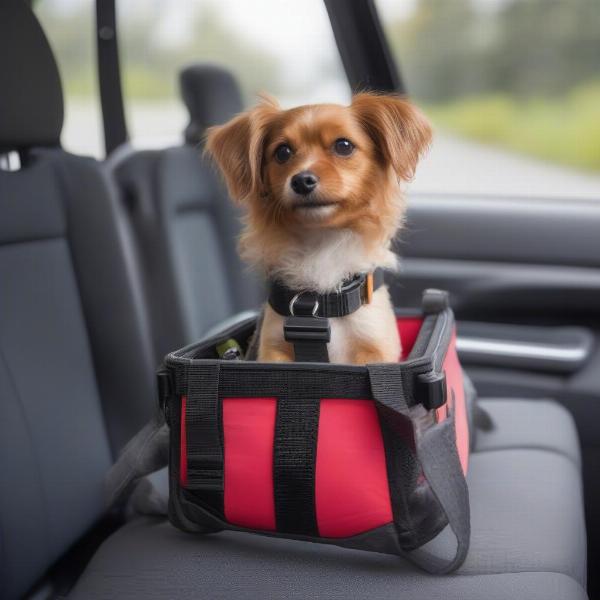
column 344, row 226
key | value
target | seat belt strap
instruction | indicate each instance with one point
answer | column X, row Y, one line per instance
column 109, row 76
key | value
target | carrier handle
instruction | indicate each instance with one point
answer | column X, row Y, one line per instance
column 146, row 452
column 435, row 301
column 437, row 454
column 436, row 451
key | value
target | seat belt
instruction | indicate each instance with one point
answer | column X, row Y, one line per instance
column 109, row 76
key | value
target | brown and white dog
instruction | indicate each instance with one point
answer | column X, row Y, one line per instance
column 323, row 188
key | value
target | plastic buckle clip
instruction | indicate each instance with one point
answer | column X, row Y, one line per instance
column 435, row 301
column 166, row 389
column 307, row 329
column 430, row 388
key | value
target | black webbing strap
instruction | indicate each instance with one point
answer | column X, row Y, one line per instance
column 309, row 336
column 311, row 352
column 109, row 76
column 437, row 454
column 203, row 429
column 294, row 459
column 145, row 453
column 400, row 461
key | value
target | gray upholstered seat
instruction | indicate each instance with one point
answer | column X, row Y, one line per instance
column 75, row 368
column 76, row 381
column 528, row 541
column 536, row 424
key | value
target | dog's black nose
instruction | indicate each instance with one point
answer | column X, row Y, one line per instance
column 304, row 182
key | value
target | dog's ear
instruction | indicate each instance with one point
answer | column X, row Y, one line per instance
column 237, row 147
column 399, row 129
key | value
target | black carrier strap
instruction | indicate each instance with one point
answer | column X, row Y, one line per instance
column 436, row 450
column 437, row 454
column 145, row 453
column 309, row 336
column 203, row 428
column 294, row 460
column 395, row 429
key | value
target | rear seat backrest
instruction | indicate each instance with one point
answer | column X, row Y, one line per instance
column 186, row 228
column 75, row 366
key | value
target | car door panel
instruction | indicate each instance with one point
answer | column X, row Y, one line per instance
column 518, row 263
column 514, row 263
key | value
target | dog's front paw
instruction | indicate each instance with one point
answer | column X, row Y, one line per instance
column 275, row 355
column 370, row 355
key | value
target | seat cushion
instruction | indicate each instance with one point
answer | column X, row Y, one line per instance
column 541, row 424
column 150, row 559
column 526, row 514
column 528, row 541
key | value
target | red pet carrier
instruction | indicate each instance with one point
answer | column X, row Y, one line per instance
column 369, row 457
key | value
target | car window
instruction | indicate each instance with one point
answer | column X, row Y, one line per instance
column 513, row 87
column 70, row 28
column 282, row 47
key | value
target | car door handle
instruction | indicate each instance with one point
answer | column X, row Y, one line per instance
column 558, row 349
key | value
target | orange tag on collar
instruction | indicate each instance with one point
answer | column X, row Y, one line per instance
column 369, row 288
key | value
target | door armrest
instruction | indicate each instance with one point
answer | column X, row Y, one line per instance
column 556, row 349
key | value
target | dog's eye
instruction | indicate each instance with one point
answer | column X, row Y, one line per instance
column 343, row 147
column 282, row 153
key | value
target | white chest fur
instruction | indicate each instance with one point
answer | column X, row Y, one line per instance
column 323, row 259
column 370, row 325
column 320, row 262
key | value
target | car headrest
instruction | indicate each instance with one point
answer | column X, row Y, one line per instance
column 31, row 100
column 212, row 96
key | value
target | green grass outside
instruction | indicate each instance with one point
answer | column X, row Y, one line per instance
column 564, row 130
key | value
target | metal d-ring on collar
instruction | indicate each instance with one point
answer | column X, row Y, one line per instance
column 296, row 298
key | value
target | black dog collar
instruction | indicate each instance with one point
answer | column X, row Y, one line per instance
column 354, row 292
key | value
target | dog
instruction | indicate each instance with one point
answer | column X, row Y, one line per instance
column 323, row 188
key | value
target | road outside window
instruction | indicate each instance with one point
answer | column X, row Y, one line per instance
column 513, row 87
